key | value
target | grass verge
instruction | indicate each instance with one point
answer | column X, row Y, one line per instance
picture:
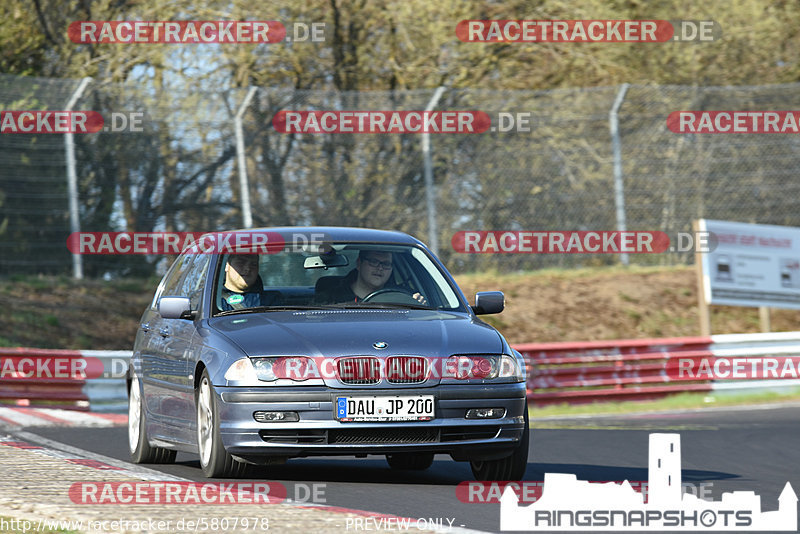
column 682, row 401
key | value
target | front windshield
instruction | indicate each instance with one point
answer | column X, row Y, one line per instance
column 346, row 275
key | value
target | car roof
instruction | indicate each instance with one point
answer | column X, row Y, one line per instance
column 340, row 233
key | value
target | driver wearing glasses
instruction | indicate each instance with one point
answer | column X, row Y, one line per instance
column 373, row 270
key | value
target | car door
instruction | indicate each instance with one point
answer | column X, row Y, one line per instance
column 182, row 341
column 165, row 367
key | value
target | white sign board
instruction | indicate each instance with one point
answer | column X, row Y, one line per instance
column 752, row 265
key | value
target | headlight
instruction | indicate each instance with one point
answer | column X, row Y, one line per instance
column 294, row 368
column 510, row 368
column 483, row 367
column 255, row 370
column 241, row 370
column 265, row 369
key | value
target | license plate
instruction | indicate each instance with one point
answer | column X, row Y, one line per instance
column 411, row 408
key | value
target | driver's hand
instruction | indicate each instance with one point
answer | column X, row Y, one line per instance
column 420, row 298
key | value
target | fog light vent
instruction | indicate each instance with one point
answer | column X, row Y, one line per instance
column 276, row 417
column 485, row 413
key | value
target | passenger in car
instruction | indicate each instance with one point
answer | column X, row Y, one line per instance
column 243, row 287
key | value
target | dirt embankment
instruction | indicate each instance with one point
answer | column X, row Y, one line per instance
column 579, row 305
column 615, row 303
column 49, row 312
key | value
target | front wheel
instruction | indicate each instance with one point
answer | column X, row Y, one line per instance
column 141, row 451
column 509, row 468
column 214, row 459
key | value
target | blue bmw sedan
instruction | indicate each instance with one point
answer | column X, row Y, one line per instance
column 270, row 344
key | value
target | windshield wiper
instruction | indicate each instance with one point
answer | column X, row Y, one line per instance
column 388, row 305
column 261, row 309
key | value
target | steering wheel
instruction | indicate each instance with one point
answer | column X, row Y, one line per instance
column 391, row 294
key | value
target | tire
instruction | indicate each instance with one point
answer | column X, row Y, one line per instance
column 512, row 467
column 214, row 459
column 410, row 461
column 141, row 451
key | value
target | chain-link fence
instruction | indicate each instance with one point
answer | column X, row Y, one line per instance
column 181, row 173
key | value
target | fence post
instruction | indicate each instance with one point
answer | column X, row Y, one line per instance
column 244, row 187
column 619, row 188
column 72, row 181
column 430, row 196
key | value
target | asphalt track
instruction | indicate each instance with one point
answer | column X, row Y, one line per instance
column 741, row 449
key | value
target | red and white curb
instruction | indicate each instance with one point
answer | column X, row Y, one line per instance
column 53, row 449
column 13, row 417
column 74, row 455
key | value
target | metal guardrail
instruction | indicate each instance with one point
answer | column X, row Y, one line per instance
column 609, row 370
column 618, row 370
column 33, row 387
column 43, row 378
column 574, row 373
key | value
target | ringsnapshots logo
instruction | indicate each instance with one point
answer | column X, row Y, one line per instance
column 570, row 504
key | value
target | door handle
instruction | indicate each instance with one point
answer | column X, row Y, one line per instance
column 164, row 332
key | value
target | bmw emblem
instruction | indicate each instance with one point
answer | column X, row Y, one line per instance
column 380, row 345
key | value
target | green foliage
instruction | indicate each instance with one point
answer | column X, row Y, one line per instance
column 181, row 173
column 4, row 221
column 407, row 44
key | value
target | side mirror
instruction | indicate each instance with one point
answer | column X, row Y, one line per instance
column 175, row 308
column 487, row 302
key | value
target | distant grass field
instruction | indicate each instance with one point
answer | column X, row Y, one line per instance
column 679, row 402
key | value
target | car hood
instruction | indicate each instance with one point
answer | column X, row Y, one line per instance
column 346, row 332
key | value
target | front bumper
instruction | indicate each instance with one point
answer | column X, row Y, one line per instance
column 319, row 433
